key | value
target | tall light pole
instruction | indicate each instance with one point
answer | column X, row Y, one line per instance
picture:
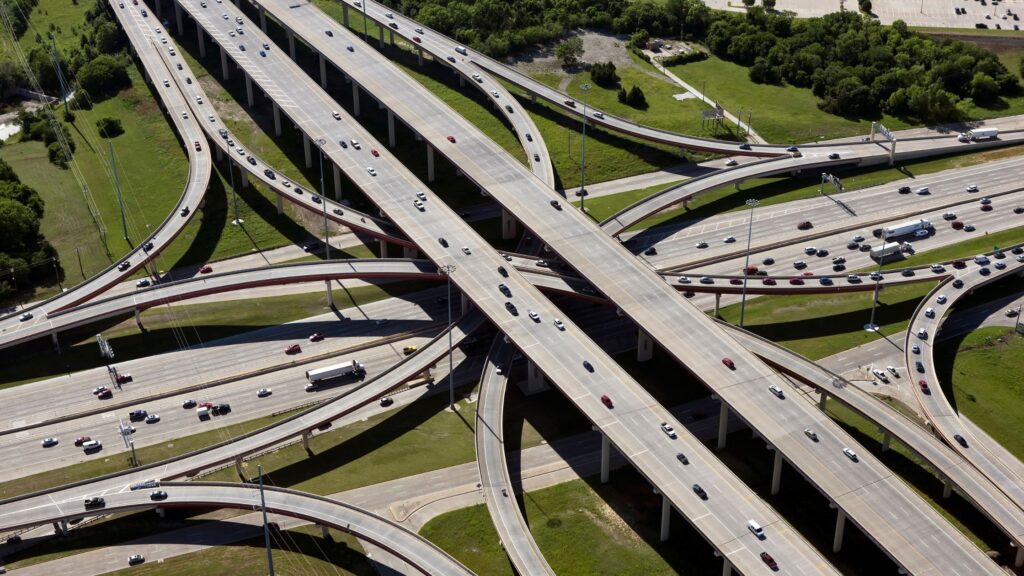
column 234, row 195
column 323, row 201
column 871, row 326
column 583, row 151
column 746, row 263
column 448, row 270
column 366, row 35
column 266, row 527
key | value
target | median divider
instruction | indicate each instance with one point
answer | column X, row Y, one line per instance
column 222, row 381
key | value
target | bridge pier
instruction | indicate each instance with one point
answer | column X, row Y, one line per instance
column 238, row 468
column 723, row 425
column 263, row 19
column 726, row 567
column 777, row 473
column 224, row 63
column 344, row 14
column 430, row 163
column 245, row 179
column 277, row 119
column 200, row 40
column 56, row 342
column 159, row 9
column 355, row 99
column 391, row 129
column 380, row 29
column 718, row 303
column 886, row 439
column 464, row 303
column 248, row 91
column 508, row 225
column 419, row 56
column 534, row 380
column 606, row 457
column 325, row 531
column 1018, row 561
column 337, row 181
column 323, row 72
column 837, row 541
column 947, row 488
column 821, row 399
column 666, row 516
column 644, row 346
column 161, row 512
column 279, row 202
column 178, row 20
column 306, row 150
column 218, row 153
column 410, row 252
column 291, row 44
column 391, row 37
column 138, row 321
column 306, row 434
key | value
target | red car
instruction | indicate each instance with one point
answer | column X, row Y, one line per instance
column 105, row 394
column 959, row 264
column 293, row 349
column 767, row 559
column 751, row 269
column 735, row 281
column 316, row 337
column 198, row 145
column 796, row 281
column 606, row 400
column 729, row 363
column 81, row 440
column 805, row 225
column 808, row 273
column 122, row 378
column 206, row 405
column 451, row 139
column 416, row 39
column 924, row 387
column 99, row 390
column 374, row 152
column 957, row 225
column 986, row 207
column 769, row 281
column 206, row 269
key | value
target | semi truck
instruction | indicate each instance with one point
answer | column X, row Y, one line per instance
column 908, row 227
column 891, row 249
column 979, row 134
column 352, row 369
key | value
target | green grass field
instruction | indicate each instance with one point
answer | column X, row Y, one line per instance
column 64, row 20
column 175, row 327
column 985, row 383
column 964, row 249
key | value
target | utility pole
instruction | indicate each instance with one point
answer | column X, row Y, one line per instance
column 750, row 228
column 323, row 198
column 871, row 326
column 266, row 527
column 448, row 270
column 56, row 272
column 117, row 188
column 583, row 151
column 234, row 194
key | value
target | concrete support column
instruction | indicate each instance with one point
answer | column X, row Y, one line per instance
column 159, row 9
column 218, row 153
column 419, row 56
column 777, row 473
column 886, row 438
column 291, row 44
column 430, row 163
column 244, row 178
column 330, row 300
column 821, row 399
column 201, row 40
column 391, row 129
column 464, row 303
column 263, row 19
column 248, row 90
column 381, row 30
column 277, row 119
column 305, row 435
column 644, row 346
column 355, row 99
column 947, row 488
column 161, row 513
column 718, row 302
column 837, row 541
column 1018, row 561
column 56, row 342
column 410, row 252
column 344, row 14
column 337, row 181
column 305, row 148
column 64, row 526
column 138, row 320
column 324, row 530
column 723, row 425
column 380, row 104
column 238, row 467
column 383, row 248
column 391, row 37
column 177, row 18
column 224, row 63
column 606, row 457
column 508, row 225
column 726, row 567
column 323, row 72
column 666, row 516
column 534, row 379
column 279, row 202
column 56, row 529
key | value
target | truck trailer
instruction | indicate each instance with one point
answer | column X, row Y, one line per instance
column 908, row 227
column 891, row 249
column 352, row 369
column 979, row 134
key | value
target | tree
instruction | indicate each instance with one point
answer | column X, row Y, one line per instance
column 640, row 38
column 109, row 127
column 636, row 98
column 19, row 228
column 622, row 95
column 983, row 87
column 748, row 3
column 603, row 74
column 104, row 75
column 55, row 153
column 570, row 50
column 768, row 4
column 865, row 6
column 14, row 190
column 106, row 37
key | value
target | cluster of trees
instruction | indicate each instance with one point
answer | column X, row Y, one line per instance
column 40, row 127
column 570, row 50
column 634, row 97
column 23, row 248
column 109, row 127
column 18, row 13
column 603, row 74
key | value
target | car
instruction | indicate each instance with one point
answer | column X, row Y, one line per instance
column 922, row 334
column 893, row 371
column 94, row 501
column 850, row 454
column 206, row 269
column 880, row 375
column 419, row 205
column 969, row 228
column 1017, row 250
column 852, row 245
column 959, row 264
column 466, row 250
column 1000, row 265
column 250, row 159
column 735, row 281
column 158, row 495
column 606, row 401
column 123, row 378
column 774, row 389
column 652, row 251
column 729, row 363
column 929, row 313
column 47, row 442
column 329, row 33
column 701, row 244
column 408, row 350
column 960, row 440
column 418, row 30
column 556, row 205
column 731, row 162
column 985, row 201
column 949, row 216
column 1012, row 312
column 417, row 40
column 904, row 190
column 822, row 252
column 137, row 415
column 805, row 225
column 668, row 430
column 142, row 283
column 147, row 246
column 744, row 146
column 124, row 265
column 1018, row 210
column 700, row 492
column 958, row 283
column 293, row 349
column 393, row 26
column 729, row 239
column 796, row 281
column 371, row 171
column 449, row 58
column 923, row 191
column 986, row 207
column 833, row 156
column 810, row 250
column 152, row 419
column 559, row 324
column 940, row 299
column 536, row 157
column 854, row 279
column 190, row 403
column 706, row 280
column 136, row 559
column 768, row 261
column 924, row 387
column 972, row 187
column 921, row 233
column 533, row 316
column 511, row 308
column 907, row 272
column 105, row 394
column 81, row 440
column 981, row 260
column 769, row 561
column 588, row 366
column 799, row 264
column 811, row 434
column 264, row 392
column 768, row 282
column 221, row 409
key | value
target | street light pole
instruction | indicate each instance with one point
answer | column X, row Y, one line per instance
column 583, row 150
column 323, row 201
column 746, row 264
column 266, row 527
column 366, row 35
column 234, row 195
column 871, row 326
column 447, row 270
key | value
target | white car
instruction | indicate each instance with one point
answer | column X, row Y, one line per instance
column 683, row 280
column 25, row 316
column 466, row 250
column 929, row 313
column 534, row 316
column 264, row 392
column 559, row 324
column 167, row 82
column 355, row 144
column 494, row 93
column 893, row 370
column 938, row 268
column 922, row 334
column 850, row 454
column 915, row 349
column 729, row 239
column 774, row 389
column 941, row 299
column 668, row 430
column 921, row 233
column 371, row 171
column 880, row 375
column 972, row 187
column 419, row 205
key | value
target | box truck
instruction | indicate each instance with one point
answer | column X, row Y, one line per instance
column 979, row 134
column 891, row 249
column 908, row 227
column 351, row 369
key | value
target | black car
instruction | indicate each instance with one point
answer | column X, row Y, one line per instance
column 651, row 251
column 588, row 366
column 511, row 308
column 700, row 492
column 682, row 458
column 221, row 409
column 768, row 261
column 877, row 232
column 833, row 156
column 822, row 252
column 251, row 160
column 137, row 415
column 502, row 271
column 269, row 173
column 960, row 440
column 852, row 245
column 556, row 204
column 504, row 290
column 342, row 143
column 904, row 190
column 442, row 242
column 958, row 283
column 329, row 33
column 386, row 401
column 744, row 146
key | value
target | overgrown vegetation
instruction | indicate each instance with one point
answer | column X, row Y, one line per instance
column 26, row 258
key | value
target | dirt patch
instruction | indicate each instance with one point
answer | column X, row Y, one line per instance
column 617, row 529
column 597, row 47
